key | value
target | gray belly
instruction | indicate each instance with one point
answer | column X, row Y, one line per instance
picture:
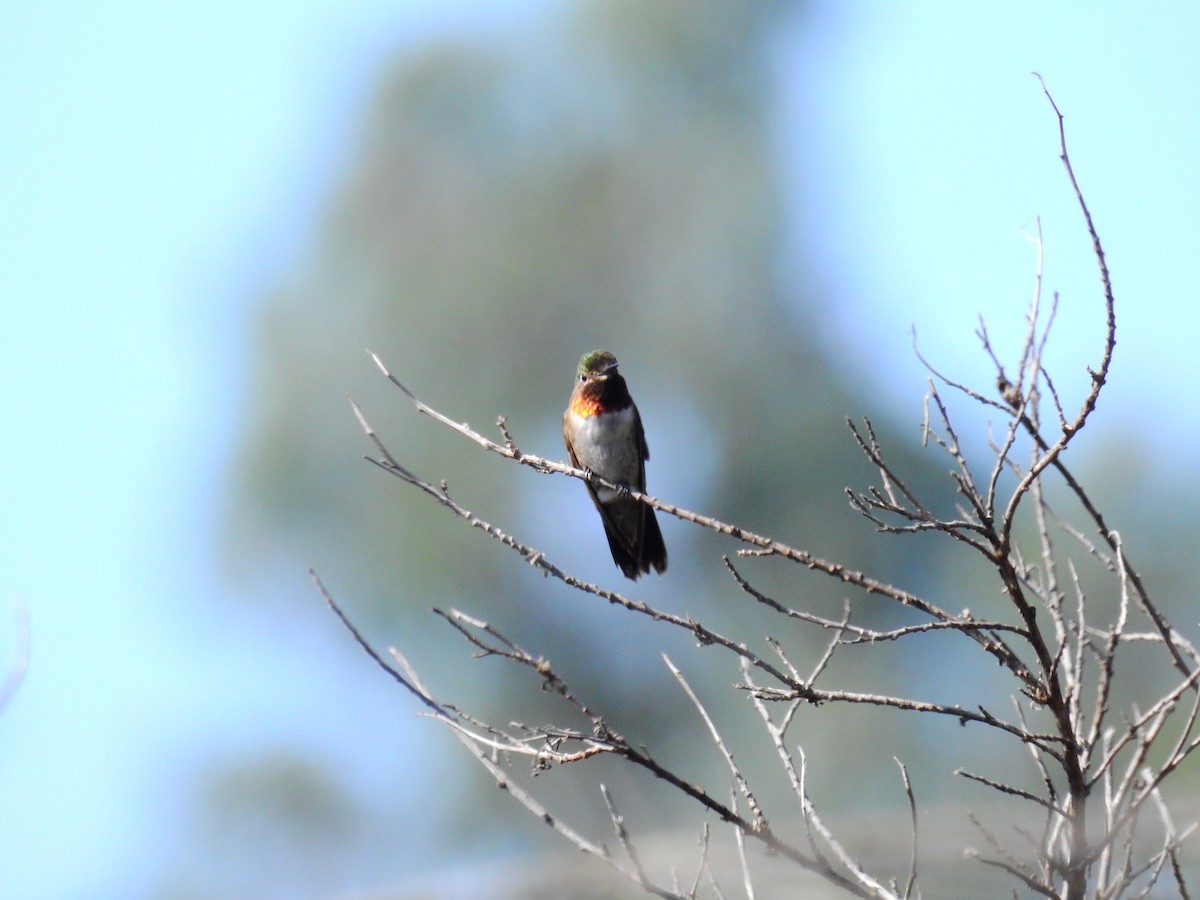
column 608, row 445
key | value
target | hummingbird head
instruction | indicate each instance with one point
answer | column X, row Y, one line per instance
column 599, row 387
column 596, row 366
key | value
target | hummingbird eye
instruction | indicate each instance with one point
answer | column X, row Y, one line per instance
column 583, row 376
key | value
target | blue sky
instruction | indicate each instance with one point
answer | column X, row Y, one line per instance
column 164, row 164
column 935, row 151
column 167, row 168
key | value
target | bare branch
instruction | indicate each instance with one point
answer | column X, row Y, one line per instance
column 639, row 872
column 1105, row 831
column 911, row 882
column 765, row 545
column 1012, row 791
column 738, row 778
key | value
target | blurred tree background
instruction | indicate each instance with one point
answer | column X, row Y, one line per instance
column 610, row 180
column 213, row 209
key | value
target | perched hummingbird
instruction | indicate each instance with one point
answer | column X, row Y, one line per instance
column 603, row 433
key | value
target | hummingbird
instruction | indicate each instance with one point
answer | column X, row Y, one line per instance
column 603, row 434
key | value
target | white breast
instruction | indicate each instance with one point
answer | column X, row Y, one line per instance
column 603, row 444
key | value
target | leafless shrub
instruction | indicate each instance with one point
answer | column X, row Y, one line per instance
column 1105, row 827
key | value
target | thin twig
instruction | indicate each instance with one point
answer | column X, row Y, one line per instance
column 911, row 882
column 738, row 778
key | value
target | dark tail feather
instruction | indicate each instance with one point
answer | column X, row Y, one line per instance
column 651, row 555
column 654, row 551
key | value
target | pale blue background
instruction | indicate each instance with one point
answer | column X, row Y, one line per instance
column 164, row 165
